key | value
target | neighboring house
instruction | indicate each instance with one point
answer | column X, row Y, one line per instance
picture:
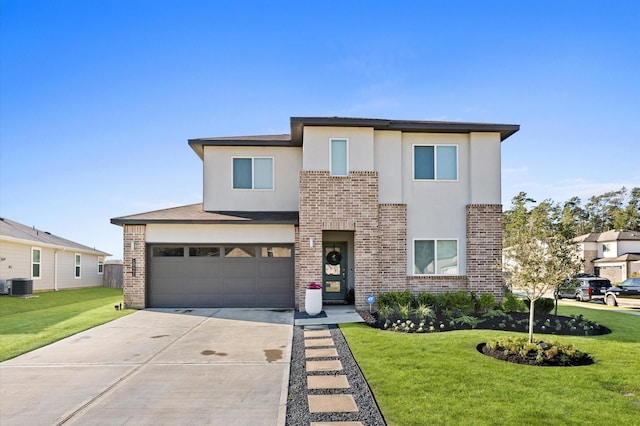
column 353, row 203
column 613, row 254
column 52, row 262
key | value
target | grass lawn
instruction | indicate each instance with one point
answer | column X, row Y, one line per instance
column 29, row 323
column 441, row 379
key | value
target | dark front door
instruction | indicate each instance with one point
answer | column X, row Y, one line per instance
column 334, row 271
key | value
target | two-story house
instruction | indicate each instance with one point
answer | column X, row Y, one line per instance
column 353, row 203
column 612, row 254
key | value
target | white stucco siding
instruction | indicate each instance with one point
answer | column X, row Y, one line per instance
column 484, row 168
column 219, row 194
column 388, row 164
column 436, row 209
column 628, row 246
column 316, row 147
column 219, row 234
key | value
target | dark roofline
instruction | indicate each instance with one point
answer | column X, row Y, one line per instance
column 267, row 140
column 195, row 214
column 298, row 123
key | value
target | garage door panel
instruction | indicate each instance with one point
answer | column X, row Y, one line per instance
column 235, row 276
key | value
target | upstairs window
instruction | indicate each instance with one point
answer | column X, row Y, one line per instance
column 77, row 266
column 435, row 162
column 339, row 157
column 35, row 263
column 253, row 173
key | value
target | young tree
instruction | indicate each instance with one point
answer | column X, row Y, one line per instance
column 537, row 260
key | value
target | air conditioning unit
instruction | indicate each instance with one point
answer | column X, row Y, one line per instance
column 4, row 287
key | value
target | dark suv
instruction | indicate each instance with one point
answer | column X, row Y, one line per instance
column 627, row 293
column 590, row 288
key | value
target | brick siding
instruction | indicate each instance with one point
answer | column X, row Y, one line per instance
column 134, row 288
column 484, row 249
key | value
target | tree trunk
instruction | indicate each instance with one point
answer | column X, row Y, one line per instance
column 531, row 309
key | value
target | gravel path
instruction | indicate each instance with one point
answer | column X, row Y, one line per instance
column 297, row 405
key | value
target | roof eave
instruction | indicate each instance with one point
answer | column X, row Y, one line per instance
column 298, row 123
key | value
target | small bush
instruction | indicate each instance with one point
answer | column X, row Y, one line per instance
column 485, row 302
column 395, row 299
column 427, row 299
column 512, row 303
column 544, row 305
column 452, row 301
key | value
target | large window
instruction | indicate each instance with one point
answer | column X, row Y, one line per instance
column 435, row 162
column 77, row 266
column 339, row 157
column 435, row 257
column 35, row 263
column 253, row 173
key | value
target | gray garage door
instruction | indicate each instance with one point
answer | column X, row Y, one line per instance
column 239, row 276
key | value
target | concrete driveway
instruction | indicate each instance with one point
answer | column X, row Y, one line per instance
column 157, row 367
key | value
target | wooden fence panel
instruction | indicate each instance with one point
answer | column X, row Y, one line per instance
column 112, row 277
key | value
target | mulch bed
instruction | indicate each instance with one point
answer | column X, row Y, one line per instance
column 511, row 321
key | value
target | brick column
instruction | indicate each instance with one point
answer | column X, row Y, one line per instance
column 484, row 249
column 134, row 283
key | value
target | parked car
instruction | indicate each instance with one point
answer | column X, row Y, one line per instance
column 627, row 293
column 587, row 288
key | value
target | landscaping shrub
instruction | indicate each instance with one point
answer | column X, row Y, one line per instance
column 428, row 299
column 543, row 305
column 396, row 299
column 518, row 350
column 512, row 303
column 455, row 301
column 485, row 302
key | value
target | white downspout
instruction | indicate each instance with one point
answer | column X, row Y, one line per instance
column 55, row 270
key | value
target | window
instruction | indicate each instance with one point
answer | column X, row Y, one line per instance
column 35, row 263
column 168, row 252
column 204, row 251
column 239, row 252
column 275, row 251
column 253, row 173
column 435, row 257
column 435, row 162
column 100, row 265
column 77, row 265
column 339, row 157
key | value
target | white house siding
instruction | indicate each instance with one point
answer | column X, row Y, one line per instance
column 218, row 174
column 484, row 168
column 628, row 246
column 221, row 234
column 17, row 260
column 316, row 147
column 18, row 265
column 388, row 164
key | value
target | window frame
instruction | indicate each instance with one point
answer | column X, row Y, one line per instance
column 39, row 263
column 77, row 266
column 435, row 162
column 435, row 257
column 253, row 174
column 346, row 140
column 100, row 265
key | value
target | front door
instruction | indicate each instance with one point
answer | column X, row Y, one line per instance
column 334, row 271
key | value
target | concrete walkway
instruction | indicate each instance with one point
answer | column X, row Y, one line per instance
column 157, row 367
column 336, row 314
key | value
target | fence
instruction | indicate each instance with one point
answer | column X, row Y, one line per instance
column 112, row 277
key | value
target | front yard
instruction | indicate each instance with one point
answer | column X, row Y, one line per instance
column 29, row 323
column 441, row 378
